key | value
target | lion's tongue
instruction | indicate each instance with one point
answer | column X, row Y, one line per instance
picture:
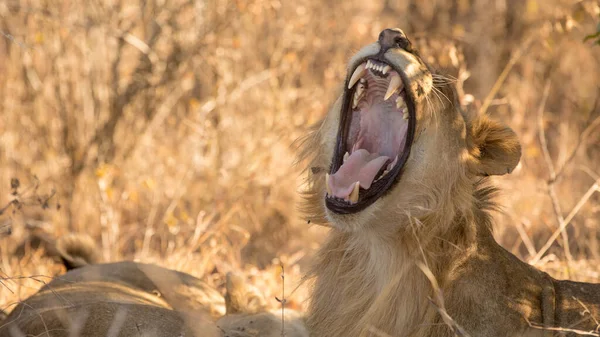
column 360, row 166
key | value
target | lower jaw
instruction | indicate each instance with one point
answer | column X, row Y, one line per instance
column 341, row 207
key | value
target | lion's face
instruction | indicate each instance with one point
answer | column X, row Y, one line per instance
column 396, row 139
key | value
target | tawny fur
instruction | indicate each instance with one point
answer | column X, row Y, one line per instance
column 367, row 280
column 136, row 299
column 247, row 314
column 123, row 298
column 77, row 250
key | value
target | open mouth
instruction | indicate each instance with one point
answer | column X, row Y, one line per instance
column 374, row 138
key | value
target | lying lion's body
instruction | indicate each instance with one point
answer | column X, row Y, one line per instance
column 126, row 297
column 370, row 275
column 136, row 299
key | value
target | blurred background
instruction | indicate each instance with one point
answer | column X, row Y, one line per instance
column 165, row 129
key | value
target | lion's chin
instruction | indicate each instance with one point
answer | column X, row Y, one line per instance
column 374, row 139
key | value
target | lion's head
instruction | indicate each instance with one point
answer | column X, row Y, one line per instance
column 247, row 314
column 396, row 139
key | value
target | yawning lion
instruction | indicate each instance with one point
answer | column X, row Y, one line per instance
column 398, row 171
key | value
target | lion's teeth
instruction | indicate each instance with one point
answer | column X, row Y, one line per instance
column 382, row 175
column 357, row 74
column 400, row 103
column 354, row 195
column 386, row 69
column 327, row 183
column 392, row 164
column 369, row 64
column 358, row 94
column 346, row 156
column 395, row 83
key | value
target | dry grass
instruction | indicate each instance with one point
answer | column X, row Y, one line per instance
column 165, row 127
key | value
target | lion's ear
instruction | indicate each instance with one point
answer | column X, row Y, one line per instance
column 239, row 298
column 494, row 146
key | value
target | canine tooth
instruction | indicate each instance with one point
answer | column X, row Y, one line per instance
column 354, row 195
column 357, row 74
column 346, row 156
column 394, row 85
column 386, row 69
column 369, row 64
column 405, row 114
column 327, row 183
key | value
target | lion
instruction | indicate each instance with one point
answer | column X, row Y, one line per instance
column 122, row 298
column 400, row 175
column 136, row 299
column 247, row 314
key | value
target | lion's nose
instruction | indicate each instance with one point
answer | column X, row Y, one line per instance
column 392, row 38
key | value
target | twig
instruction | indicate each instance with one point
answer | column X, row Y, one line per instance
column 594, row 188
column 12, row 39
column 513, row 60
column 438, row 302
column 587, row 311
column 575, row 331
column 582, row 137
column 525, row 238
column 2, row 278
column 542, row 130
column 283, row 300
column 550, row 185
column 589, row 172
